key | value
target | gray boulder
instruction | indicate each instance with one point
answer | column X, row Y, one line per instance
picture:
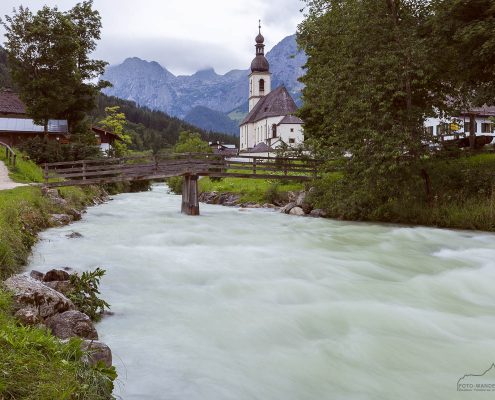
column 297, row 211
column 60, row 219
column 28, row 316
column 97, row 352
column 31, row 293
column 37, row 275
column 72, row 323
column 286, row 209
column 56, row 275
column 64, row 287
column 318, row 213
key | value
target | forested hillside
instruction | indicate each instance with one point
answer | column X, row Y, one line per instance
column 149, row 129
column 153, row 129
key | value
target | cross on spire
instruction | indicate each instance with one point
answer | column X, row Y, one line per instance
column 259, row 26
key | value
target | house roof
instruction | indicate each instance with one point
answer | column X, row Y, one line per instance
column 291, row 119
column 23, row 125
column 10, row 103
column 102, row 131
column 488, row 111
column 274, row 104
column 260, row 148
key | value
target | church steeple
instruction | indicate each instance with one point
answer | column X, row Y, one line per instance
column 260, row 63
column 260, row 77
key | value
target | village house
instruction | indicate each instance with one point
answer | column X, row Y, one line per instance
column 457, row 128
column 271, row 121
column 223, row 149
column 16, row 126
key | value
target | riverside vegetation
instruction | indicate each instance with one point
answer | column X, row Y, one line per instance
column 35, row 364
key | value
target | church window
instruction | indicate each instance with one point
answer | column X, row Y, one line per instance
column 274, row 131
column 292, row 129
column 292, row 140
column 262, row 87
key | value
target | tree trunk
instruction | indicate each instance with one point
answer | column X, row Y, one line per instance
column 472, row 131
column 427, row 183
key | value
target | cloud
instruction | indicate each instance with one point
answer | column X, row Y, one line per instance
column 184, row 35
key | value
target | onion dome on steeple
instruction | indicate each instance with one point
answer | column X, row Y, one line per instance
column 260, row 63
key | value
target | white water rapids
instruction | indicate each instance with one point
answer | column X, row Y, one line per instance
column 253, row 304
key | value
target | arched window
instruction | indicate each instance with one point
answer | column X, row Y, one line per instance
column 262, row 87
column 274, row 131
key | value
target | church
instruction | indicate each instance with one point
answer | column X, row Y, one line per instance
column 271, row 121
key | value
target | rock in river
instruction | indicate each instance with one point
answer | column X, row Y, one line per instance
column 72, row 323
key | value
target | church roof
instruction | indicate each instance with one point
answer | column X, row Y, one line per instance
column 291, row 119
column 260, row 64
column 260, row 148
column 274, row 104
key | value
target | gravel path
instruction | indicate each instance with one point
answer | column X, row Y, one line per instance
column 5, row 181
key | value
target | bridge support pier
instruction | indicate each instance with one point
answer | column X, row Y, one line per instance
column 190, row 202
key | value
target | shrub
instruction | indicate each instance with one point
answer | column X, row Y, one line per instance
column 85, row 293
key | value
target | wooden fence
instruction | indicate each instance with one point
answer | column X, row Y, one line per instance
column 9, row 154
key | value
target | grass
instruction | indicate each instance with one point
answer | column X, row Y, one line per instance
column 25, row 171
column 463, row 197
column 24, row 212
column 251, row 190
column 34, row 365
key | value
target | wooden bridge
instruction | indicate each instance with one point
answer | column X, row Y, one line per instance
column 190, row 166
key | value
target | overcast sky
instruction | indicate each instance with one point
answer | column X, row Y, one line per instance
column 184, row 35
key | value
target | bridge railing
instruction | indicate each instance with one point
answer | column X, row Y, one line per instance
column 9, row 154
column 86, row 172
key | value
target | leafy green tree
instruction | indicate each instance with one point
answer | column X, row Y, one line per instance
column 463, row 38
column 369, row 87
column 115, row 122
column 191, row 142
column 49, row 60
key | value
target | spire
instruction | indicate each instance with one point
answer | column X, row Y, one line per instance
column 260, row 63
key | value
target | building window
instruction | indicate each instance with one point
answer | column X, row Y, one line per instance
column 443, row 129
column 262, row 87
column 274, row 131
column 486, row 128
column 292, row 129
column 292, row 140
column 430, row 130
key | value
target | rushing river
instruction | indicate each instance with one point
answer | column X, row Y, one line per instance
column 252, row 304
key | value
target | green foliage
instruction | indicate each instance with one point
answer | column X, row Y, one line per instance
column 375, row 71
column 42, row 150
column 463, row 196
column 115, row 122
column 49, row 59
column 25, row 170
column 258, row 191
column 175, row 184
column 191, row 142
column 35, row 365
column 24, row 212
column 463, row 46
column 85, row 293
column 5, row 78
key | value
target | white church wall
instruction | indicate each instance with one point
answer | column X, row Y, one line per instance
column 291, row 134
